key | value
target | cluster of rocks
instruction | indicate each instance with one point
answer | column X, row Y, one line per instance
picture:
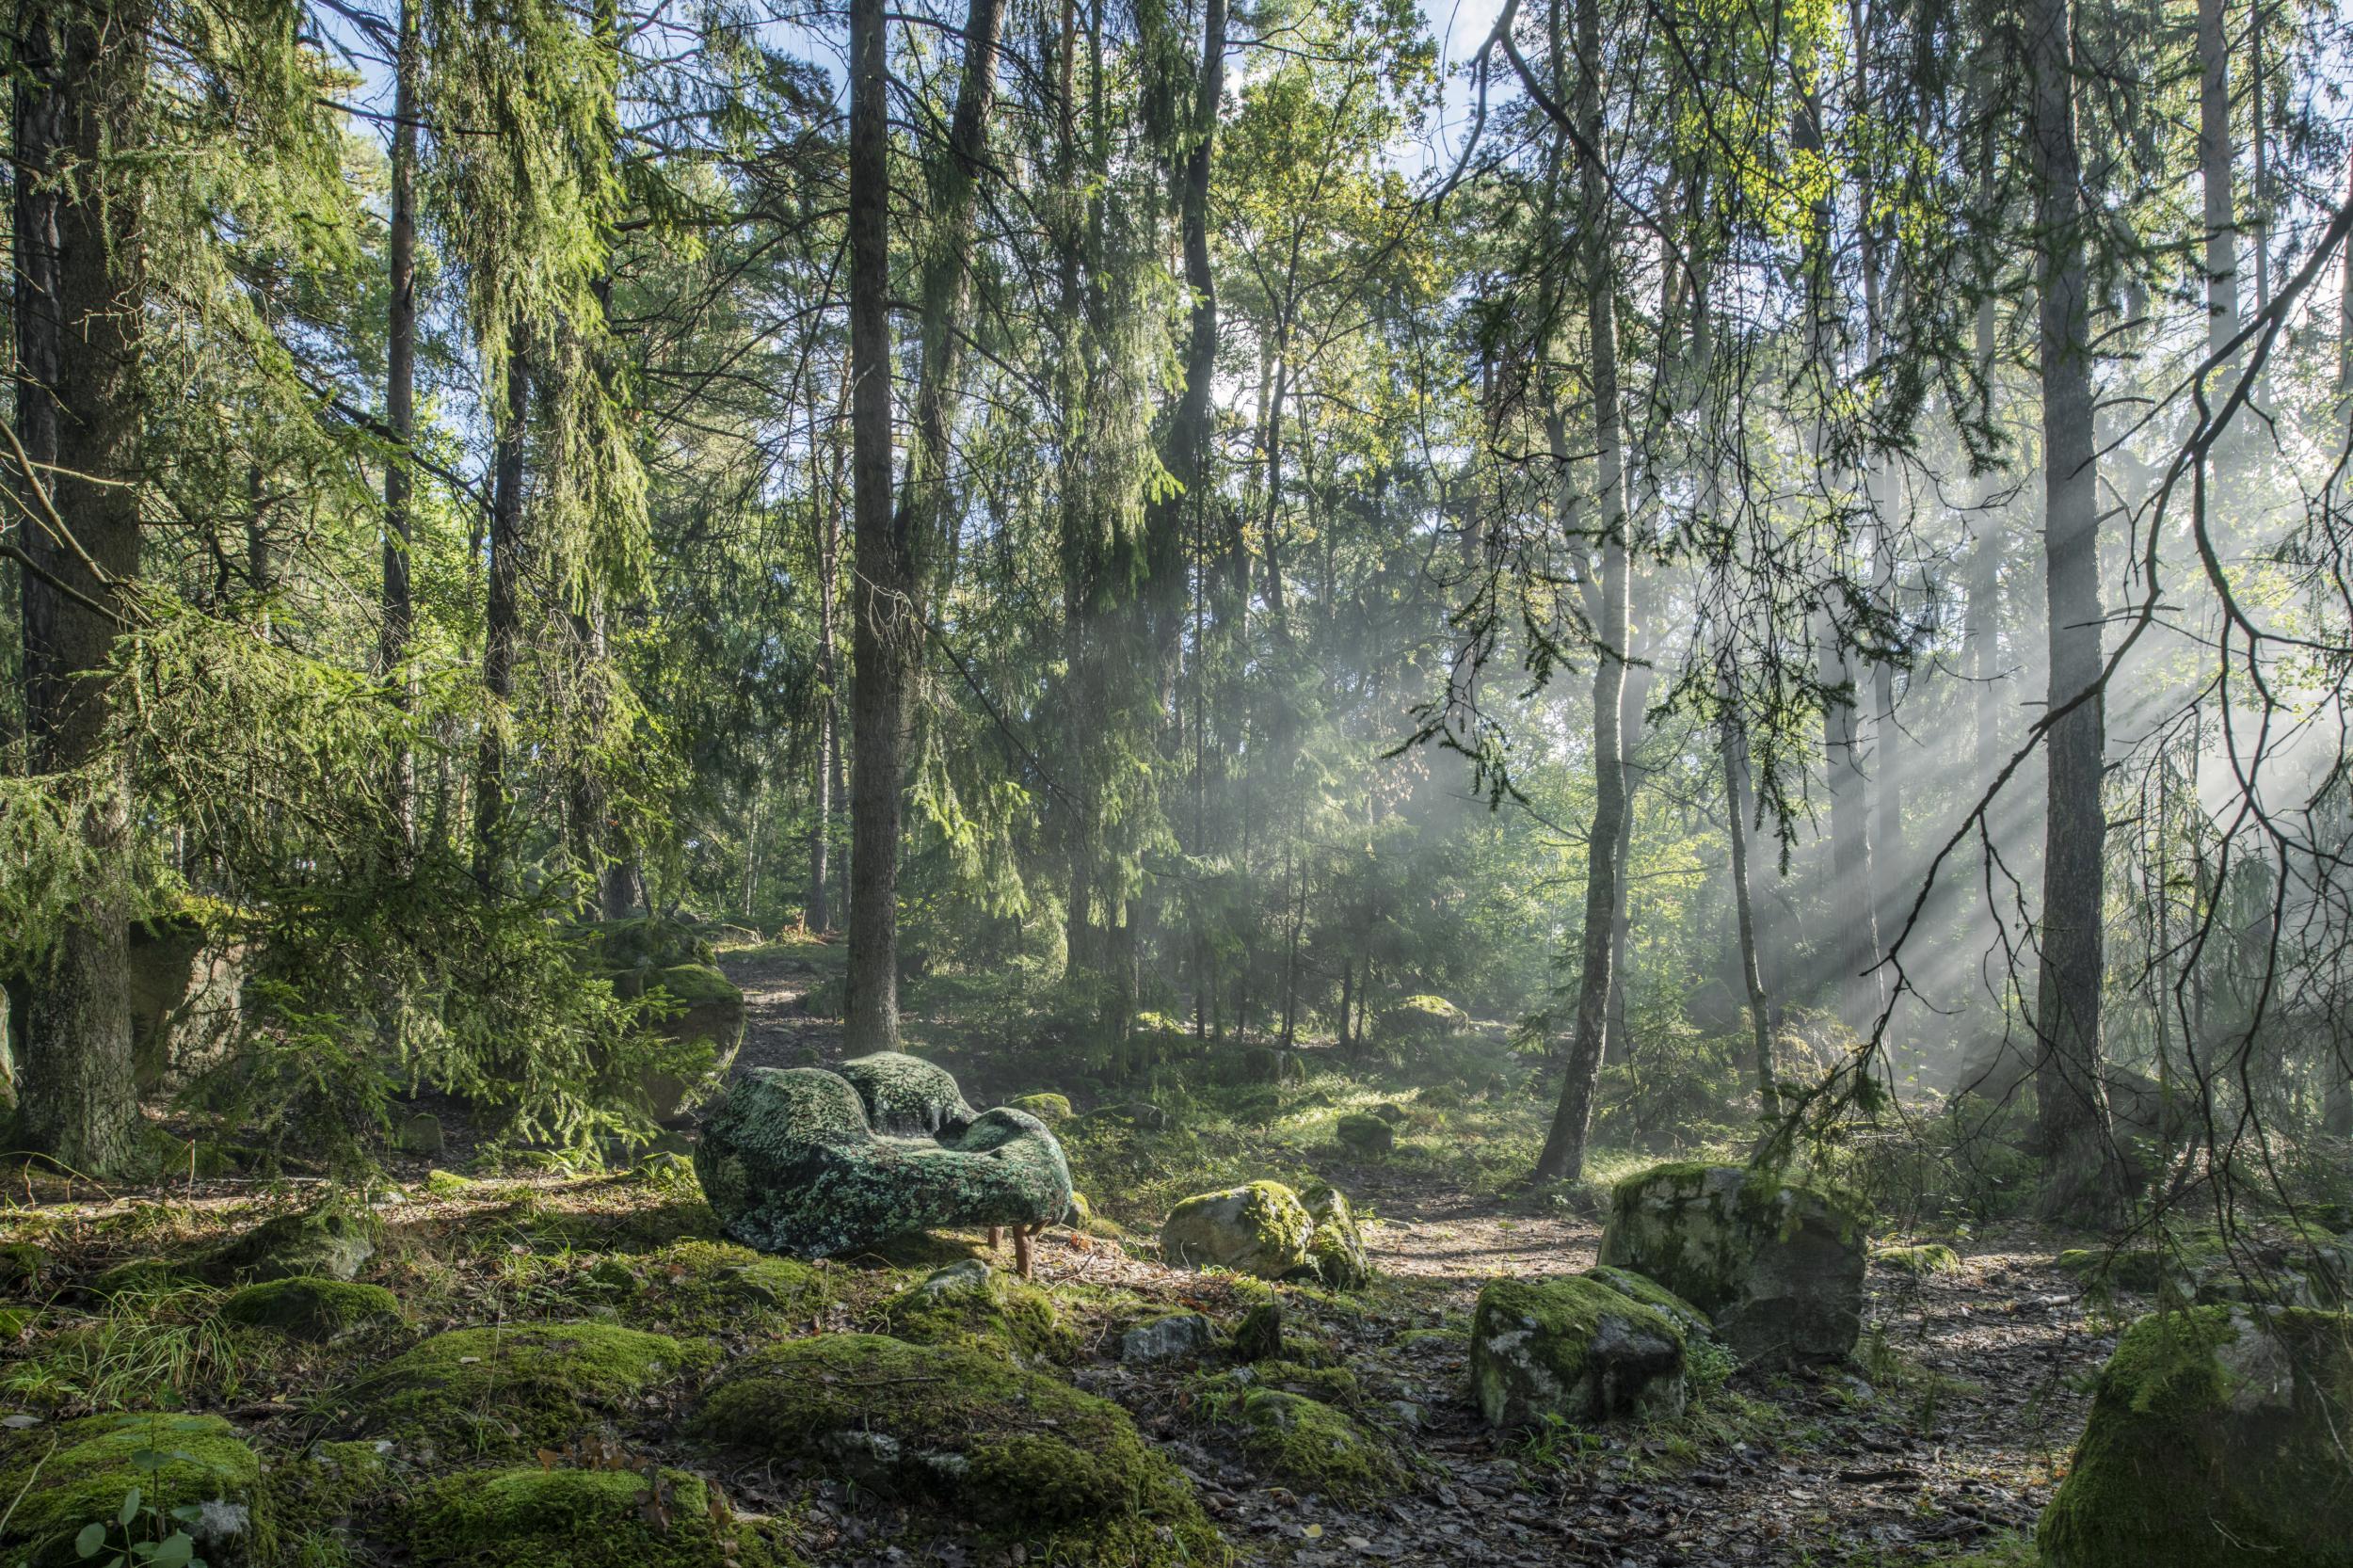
column 1769, row 1270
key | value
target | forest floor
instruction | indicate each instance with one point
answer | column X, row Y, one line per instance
column 1943, row 1441
column 1938, row 1444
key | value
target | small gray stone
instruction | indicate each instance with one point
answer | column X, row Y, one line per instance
column 1178, row 1336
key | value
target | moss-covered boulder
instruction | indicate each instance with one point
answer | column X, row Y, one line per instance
column 1625, row 1282
column 1777, row 1267
column 195, row 1461
column 790, row 1162
column 1260, row 1229
column 1336, row 1248
column 907, row 1096
column 1171, row 1336
column 537, row 1519
column 510, row 1389
column 308, row 1308
column 1368, row 1136
column 708, row 1011
column 703, row 1287
column 1571, row 1349
column 1418, row 1020
column 332, row 1239
column 2216, row 1440
column 1233, row 1067
column 1310, row 1447
column 1920, row 1258
column 1014, row 1453
column 972, row 1305
column 187, row 992
column 1048, row 1108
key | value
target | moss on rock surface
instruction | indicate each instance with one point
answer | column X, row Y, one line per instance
column 1365, row 1135
column 1260, row 1229
column 535, row 1518
column 1048, row 1107
column 1926, row 1257
column 703, row 1287
column 1336, row 1248
column 1420, row 1019
column 310, row 1309
column 2215, row 1441
column 1310, row 1447
column 1571, row 1349
column 972, row 1305
column 175, row 1461
column 1777, row 1266
column 789, row 1163
column 1018, row 1454
column 331, row 1240
column 1625, row 1282
column 501, row 1390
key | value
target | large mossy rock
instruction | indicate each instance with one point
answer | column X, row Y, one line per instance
column 710, row 1012
column 700, row 1286
column 1260, row 1229
column 540, row 1518
column 1372, row 1136
column 1015, row 1453
column 177, row 1460
column 1777, row 1268
column 1336, row 1248
column 2217, row 1440
column 1419, row 1020
column 972, row 1305
column 1574, row 1349
column 790, row 1163
column 304, row 1307
column 510, row 1389
column 333, row 1239
column 187, row 990
column 1310, row 1447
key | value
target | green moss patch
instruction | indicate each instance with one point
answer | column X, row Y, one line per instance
column 331, row 1240
column 1927, row 1257
column 699, row 1286
column 175, row 1460
column 2215, row 1440
column 501, row 1390
column 972, row 1305
column 1048, row 1107
column 535, row 1518
column 1574, row 1349
column 1016, row 1454
column 1310, row 1447
column 308, row 1308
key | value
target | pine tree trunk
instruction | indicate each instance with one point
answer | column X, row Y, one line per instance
column 1855, row 943
column 502, row 622
column 882, row 584
column 79, row 295
column 1763, row 1023
column 2084, row 1179
column 1564, row 1155
column 400, row 394
column 2215, row 160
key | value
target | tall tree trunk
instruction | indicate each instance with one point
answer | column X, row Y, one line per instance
column 882, row 584
column 400, row 405
column 2085, row 1181
column 900, row 550
column 1763, row 1023
column 2215, row 153
column 501, row 621
column 1854, row 941
column 1564, row 1155
column 80, row 282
